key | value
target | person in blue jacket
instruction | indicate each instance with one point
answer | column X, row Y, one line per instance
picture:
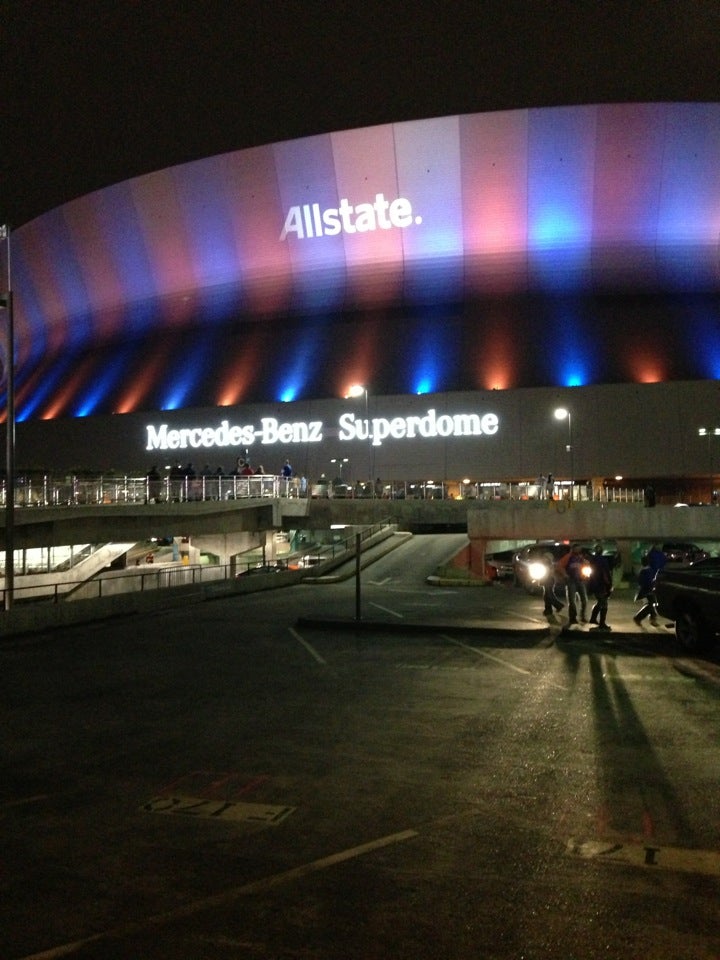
column 646, row 593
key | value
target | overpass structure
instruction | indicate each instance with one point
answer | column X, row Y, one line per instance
column 225, row 528
column 229, row 528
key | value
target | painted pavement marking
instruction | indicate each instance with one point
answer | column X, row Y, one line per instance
column 224, row 898
column 213, row 785
column 484, row 653
column 308, row 646
column 387, row 610
column 647, row 856
column 500, row 660
column 225, row 810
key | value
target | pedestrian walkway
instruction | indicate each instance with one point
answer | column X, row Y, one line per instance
column 504, row 609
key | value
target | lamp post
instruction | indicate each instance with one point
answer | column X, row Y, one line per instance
column 715, row 432
column 563, row 414
column 358, row 390
column 6, row 302
column 341, row 463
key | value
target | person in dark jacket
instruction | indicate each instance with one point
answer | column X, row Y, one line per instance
column 601, row 586
column 574, row 564
column 551, row 603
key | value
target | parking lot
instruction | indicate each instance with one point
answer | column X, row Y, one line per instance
column 225, row 780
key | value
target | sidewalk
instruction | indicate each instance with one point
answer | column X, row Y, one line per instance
column 500, row 608
column 503, row 611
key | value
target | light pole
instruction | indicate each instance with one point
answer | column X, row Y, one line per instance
column 341, row 463
column 563, row 414
column 358, row 390
column 715, row 432
column 6, row 301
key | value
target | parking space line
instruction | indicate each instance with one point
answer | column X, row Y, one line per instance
column 225, row 897
column 387, row 610
column 309, row 647
column 484, row 653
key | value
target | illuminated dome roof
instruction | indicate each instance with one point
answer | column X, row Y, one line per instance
column 520, row 248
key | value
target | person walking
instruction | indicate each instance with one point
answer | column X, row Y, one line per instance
column 646, row 592
column 575, row 564
column 601, row 586
column 551, row 603
column 656, row 558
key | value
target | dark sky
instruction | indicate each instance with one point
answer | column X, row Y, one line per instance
column 95, row 92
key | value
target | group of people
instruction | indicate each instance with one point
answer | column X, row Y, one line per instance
column 545, row 486
column 578, row 576
column 242, row 468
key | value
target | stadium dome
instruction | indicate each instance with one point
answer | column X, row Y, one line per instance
column 546, row 247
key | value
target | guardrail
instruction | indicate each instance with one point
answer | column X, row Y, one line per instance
column 49, row 491
column 178, row 574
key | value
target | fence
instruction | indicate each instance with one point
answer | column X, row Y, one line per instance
column 178, row 574
column 49, row 491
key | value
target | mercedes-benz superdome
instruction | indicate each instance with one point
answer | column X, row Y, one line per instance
column 538, row 248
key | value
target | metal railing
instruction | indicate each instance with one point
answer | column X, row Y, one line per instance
column 179, row 574
column 49, row 491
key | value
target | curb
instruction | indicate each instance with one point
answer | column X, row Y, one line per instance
column 408, row 626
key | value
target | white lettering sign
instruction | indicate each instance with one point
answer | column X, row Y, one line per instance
column 376, row 430
column 269, row 432
column 430, row 425
column 310, row 220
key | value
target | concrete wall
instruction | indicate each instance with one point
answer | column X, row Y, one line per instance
column 556, row 520
column 234, row 526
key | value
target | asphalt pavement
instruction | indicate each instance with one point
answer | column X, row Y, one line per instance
column 501, row 608
column 208, row 781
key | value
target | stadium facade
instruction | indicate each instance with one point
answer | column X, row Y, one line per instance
column 473, row 273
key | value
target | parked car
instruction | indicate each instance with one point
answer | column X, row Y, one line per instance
column 530, row 564
column 690, row 597
column 262, row 568
column 309, row 560
column 680, row 552
column 499, row 566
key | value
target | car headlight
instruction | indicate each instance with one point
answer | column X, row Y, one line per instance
column 586, row 571
column 538, row 571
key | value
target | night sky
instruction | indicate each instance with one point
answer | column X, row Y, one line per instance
column 94, row 93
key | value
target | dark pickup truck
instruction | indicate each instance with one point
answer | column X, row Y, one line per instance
column 690, row 596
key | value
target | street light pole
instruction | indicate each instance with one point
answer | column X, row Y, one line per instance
column 357, row 390
column 341, row 463
column 715, row 432
column 6, row 301
column 562, row 414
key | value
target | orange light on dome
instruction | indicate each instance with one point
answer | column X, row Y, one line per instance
column 63, row 397
column 143, row 383
column 650, row 374
column 239, row 375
